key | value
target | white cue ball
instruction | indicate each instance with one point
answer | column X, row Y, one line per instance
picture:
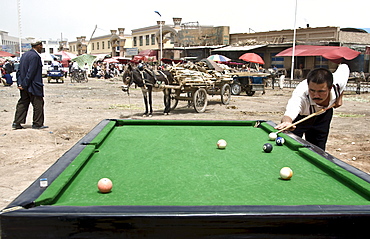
column 272, row 136
column 221, row 144
column 286, row 173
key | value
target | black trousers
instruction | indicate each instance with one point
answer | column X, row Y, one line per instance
column 315, row 129
column 22, row 108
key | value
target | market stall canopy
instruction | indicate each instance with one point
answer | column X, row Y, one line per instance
column 139, row 58
column 212, row 65
column 85, row 58
column 65, row 57
column 148, row 52
column 101, row 57
column 47, row 57
column 333, row 53
column 122, row 60
column 252, row 57
column 5, row 54
column 111, row 60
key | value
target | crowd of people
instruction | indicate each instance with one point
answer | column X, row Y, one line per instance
column 99, row 70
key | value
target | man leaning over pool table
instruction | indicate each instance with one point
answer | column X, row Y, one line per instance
column 320, row 90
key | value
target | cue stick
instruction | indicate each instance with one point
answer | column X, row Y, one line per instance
column 307, row 117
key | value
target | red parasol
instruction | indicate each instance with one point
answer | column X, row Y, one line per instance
column 252, row 57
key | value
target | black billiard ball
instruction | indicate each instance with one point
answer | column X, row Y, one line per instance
column 267, row 147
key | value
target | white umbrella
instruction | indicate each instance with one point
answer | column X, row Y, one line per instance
column 218, row 58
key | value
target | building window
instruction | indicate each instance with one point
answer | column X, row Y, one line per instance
column 135, row 41
column 97, row 46
column 141, row 40
column 147, row 40
column 321, row 62
column 153, row 39
column 92, row 46
column 51, row 50
column 102, row 45
column 108, row 44
column 277, row 61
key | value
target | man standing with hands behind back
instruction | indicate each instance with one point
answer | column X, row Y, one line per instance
column 31, row 88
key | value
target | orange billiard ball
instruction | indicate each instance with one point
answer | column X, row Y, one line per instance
column 105, row 185
column 286, row 173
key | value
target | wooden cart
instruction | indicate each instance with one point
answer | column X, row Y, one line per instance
column 195, row 86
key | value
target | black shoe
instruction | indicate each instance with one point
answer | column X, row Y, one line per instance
column 39, row 127
column 17, row 126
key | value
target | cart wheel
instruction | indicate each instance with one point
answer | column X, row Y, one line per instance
column 173, row 96
column 200, row 100
column 249, row 91
column 236, row 89
column 225, row 94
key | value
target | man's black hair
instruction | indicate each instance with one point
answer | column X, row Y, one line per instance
column 320, row 76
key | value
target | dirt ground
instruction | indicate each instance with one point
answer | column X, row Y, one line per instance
column 72, row 110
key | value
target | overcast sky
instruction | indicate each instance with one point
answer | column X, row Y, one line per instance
column 52, row 19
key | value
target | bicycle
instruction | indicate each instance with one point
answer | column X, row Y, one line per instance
column 79, row 76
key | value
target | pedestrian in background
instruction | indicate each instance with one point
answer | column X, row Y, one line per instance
column 31, row 88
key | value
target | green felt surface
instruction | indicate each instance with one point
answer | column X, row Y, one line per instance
column 152, row 164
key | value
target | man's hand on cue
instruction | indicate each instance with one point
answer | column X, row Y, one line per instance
column 285, row 124
column 286, row 121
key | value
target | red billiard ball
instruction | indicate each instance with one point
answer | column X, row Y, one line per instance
column 105, row 185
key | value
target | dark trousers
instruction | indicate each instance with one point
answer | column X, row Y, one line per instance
column 23, row 105
column 315, row 129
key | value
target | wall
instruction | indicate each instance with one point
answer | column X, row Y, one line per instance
column 329, row 34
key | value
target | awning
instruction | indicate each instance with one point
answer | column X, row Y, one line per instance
column 100, row 57
column 6, row 54
column 65, row 57
column 333, row 53
column 144, row 58
column 148, row 52
column 239, row 48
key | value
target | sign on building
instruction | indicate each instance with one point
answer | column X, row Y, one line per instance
column 132, row 51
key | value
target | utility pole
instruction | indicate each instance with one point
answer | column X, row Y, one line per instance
column 19, row 27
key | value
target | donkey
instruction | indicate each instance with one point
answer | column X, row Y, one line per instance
column 148, row 81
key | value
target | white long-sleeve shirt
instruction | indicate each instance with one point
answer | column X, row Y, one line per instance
column 300, row 102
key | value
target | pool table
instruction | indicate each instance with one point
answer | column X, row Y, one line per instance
column 170, row 179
